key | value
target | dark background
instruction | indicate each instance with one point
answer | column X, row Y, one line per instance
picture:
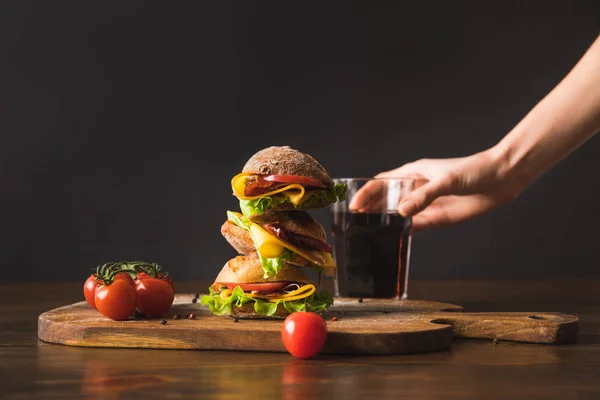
column 122, row 123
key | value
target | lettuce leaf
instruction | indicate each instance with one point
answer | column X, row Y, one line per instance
column 328, row 196
column 243, row 222
column 265, row 307
column 322, row 197
column 260, row 205
column 271, row 265
column 316, row 302
column 221, row 306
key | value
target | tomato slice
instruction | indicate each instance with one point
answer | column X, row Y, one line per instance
column 261, row 287
column 303, row 180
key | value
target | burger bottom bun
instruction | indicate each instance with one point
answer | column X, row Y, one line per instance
column 248, row 269
column 246, row 311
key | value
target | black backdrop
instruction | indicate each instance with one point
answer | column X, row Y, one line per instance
column 122, row 123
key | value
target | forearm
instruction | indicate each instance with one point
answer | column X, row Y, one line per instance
column 567, row 117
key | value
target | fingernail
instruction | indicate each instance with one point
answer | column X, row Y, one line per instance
column 407, row 208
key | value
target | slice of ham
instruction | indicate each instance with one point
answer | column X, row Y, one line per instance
column 297, row 239
column 297, row 228
column 255, row 186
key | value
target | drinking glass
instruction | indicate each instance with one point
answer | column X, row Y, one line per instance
column 371, row 240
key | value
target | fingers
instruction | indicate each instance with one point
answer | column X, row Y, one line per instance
column 447, row 191
column 371, row 197
column 449, row 210
column 368, row 196
column 408, row 170
column 416, row 170
column 422, row 197
column 380, row 195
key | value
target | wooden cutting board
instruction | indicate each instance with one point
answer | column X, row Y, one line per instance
column 370, row 326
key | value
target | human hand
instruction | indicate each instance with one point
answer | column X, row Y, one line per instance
column 448, row 191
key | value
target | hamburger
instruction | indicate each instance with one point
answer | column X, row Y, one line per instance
column 280, row 238
column 278, row 242
column 283, row 178
column 242, row 290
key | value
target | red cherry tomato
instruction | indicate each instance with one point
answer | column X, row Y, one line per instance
column 154, row 295
column 89, row 290
column 116, row 301
column 143, row 275
column 303, row 334
column 303, row 180
column 91, row 284
column 125, row 276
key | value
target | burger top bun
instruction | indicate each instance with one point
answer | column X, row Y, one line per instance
column 283, row 160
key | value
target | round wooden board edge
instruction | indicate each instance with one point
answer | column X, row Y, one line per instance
column 52, row 331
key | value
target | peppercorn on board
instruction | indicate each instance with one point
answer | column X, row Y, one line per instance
column 355, row 326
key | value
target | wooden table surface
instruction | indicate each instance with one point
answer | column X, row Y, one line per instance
column 31, row 369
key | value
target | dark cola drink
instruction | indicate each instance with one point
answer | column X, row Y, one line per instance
column 372, row 252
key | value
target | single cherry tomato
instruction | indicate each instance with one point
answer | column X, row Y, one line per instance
column 116, row 301
column 125, row 276
column 303, row 334
column 89, row 290
column 92, row 283
column 154, row 295
column 143, row 275
column 303, row 180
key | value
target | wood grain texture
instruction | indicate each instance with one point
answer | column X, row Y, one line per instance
column 526, row 327
column 470, row 369
column 373, row 326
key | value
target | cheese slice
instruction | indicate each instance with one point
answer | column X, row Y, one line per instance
column 298, row 294
column 295, row 192
column 266, row 244
column 270, row 246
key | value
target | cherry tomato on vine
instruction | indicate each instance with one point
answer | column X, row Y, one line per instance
column 117, row 300
column 126, row 277
column 154, row 295
column 89, row 290
column 91, row 285
column 303, row 334
column 143, row 275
